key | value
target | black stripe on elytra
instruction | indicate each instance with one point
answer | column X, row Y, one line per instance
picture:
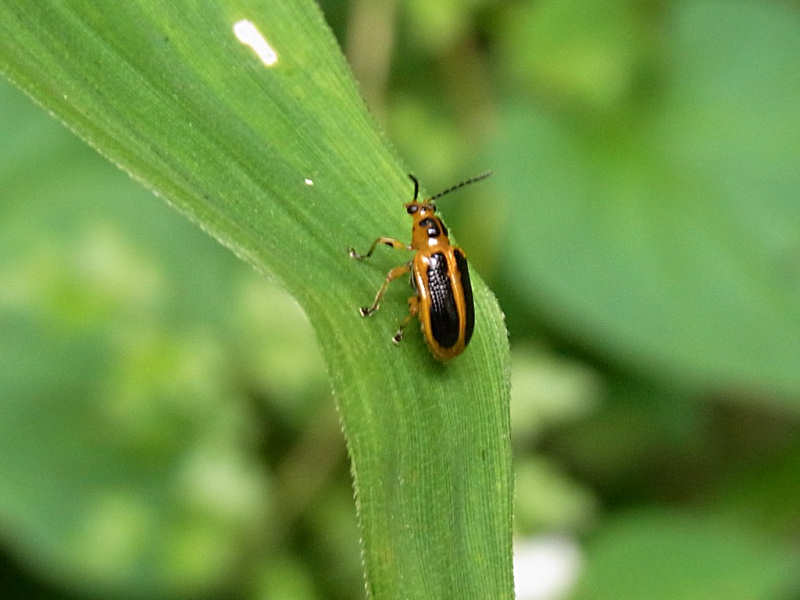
column 466, row 286
column 443, row 313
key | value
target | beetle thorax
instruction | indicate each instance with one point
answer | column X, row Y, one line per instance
column 428, row 230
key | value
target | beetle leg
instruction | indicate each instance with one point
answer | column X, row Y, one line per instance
column 413, row 309
column 393, row 274
column 381, row 240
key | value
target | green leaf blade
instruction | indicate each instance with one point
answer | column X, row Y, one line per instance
column 169, row 93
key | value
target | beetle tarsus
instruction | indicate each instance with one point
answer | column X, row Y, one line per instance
column 366, row 311
column 397, row 337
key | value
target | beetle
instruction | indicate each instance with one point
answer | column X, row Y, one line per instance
column 439, row 275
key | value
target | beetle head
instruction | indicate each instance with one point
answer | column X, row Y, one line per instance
column 420, row 209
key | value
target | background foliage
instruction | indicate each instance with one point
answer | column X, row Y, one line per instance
column 642, row 234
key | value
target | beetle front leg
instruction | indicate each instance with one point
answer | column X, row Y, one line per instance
column 413, row 309
column 393, row 274
column 381, row 240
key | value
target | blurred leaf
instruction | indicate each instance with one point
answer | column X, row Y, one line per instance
column 155, row 499
column 547, row 500
column 647, row 442
column 277, row 158
column 436, row 25
column 284, row 580
column 573, row 51
column 674, row 556
column 765, row 493
column 670, row 237
column 152, row 483
column 548, row 390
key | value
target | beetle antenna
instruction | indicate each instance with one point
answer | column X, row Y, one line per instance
column 460, row 185
column 416, row 187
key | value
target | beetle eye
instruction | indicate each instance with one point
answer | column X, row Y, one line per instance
column 412, row 208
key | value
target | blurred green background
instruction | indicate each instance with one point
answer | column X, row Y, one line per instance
column 166, row 428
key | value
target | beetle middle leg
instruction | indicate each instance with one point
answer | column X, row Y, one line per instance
column 413, row 309
column 381, row 240
column 393, row 274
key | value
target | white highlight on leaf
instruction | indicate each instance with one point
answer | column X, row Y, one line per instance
column 248, row 34
column 308, row 181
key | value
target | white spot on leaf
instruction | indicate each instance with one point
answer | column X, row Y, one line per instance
column 248, row 34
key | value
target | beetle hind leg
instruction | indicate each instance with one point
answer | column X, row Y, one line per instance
column 366, row 311
column 413, row 309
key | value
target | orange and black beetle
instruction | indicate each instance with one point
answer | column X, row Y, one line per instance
column 439, row 275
